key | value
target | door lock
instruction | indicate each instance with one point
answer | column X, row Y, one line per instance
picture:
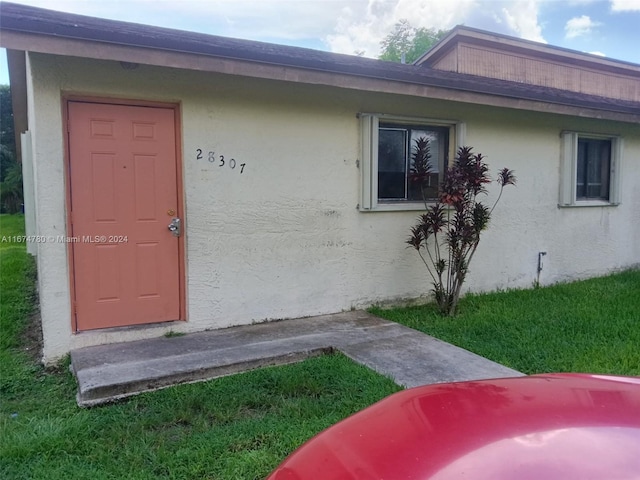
column 175, row 227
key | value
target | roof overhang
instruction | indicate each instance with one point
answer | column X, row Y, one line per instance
column 474, row 36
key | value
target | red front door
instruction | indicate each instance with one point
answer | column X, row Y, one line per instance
column 124, row 194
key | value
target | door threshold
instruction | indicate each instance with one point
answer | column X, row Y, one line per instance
column 132, row 328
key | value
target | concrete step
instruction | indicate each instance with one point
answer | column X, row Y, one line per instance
column 110, row 372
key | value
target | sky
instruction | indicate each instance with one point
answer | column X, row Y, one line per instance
column 604, row 27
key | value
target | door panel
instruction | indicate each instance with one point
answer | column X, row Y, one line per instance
column 124, row 193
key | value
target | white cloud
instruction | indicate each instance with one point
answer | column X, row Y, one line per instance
column 363, row 29
column 522, row 18
column 600, row 54
column 625, row 5
column 355, row 29
column 579, row 26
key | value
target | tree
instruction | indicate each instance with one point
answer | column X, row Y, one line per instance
column 410, row 41
column 10, row 168
column 7, row 136
column 449, row 231
column 11, row 196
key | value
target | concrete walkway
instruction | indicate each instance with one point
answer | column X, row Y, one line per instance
column 109, row 372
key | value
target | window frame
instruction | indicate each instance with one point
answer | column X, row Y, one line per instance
column 370, row 125
column 569, row 170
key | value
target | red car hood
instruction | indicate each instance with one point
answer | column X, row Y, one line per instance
column 542, row 427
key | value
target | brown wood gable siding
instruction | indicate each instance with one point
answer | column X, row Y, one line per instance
column 448, row 62
column 486, row 62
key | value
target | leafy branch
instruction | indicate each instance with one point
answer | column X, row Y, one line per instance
column 449, row 231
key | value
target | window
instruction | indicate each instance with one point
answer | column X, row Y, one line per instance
column 403, row 160
column 594, row 164
column 590, row 170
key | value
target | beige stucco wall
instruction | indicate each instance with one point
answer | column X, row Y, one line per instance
column 285, row 238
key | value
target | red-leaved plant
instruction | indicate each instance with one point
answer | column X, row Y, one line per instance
column 449, row 231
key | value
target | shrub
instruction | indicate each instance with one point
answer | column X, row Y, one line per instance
column 449, row 231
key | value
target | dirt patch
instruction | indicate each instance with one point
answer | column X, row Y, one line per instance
column 31, row 338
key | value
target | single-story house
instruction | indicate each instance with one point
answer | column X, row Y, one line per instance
column 181, row 181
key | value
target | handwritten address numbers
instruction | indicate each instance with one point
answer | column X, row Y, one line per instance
column 219, row 160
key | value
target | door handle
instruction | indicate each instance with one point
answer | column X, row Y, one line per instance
column 175, row 227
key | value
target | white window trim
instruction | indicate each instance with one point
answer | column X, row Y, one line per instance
column 569, row 170
column 369, row 127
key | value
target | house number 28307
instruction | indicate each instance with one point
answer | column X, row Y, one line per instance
column 219, row 160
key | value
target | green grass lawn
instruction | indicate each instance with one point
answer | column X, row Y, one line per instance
column 587, row 326
column 238, row 427
column 11, row 226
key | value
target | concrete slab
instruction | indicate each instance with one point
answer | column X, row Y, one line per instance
column 108, row 372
